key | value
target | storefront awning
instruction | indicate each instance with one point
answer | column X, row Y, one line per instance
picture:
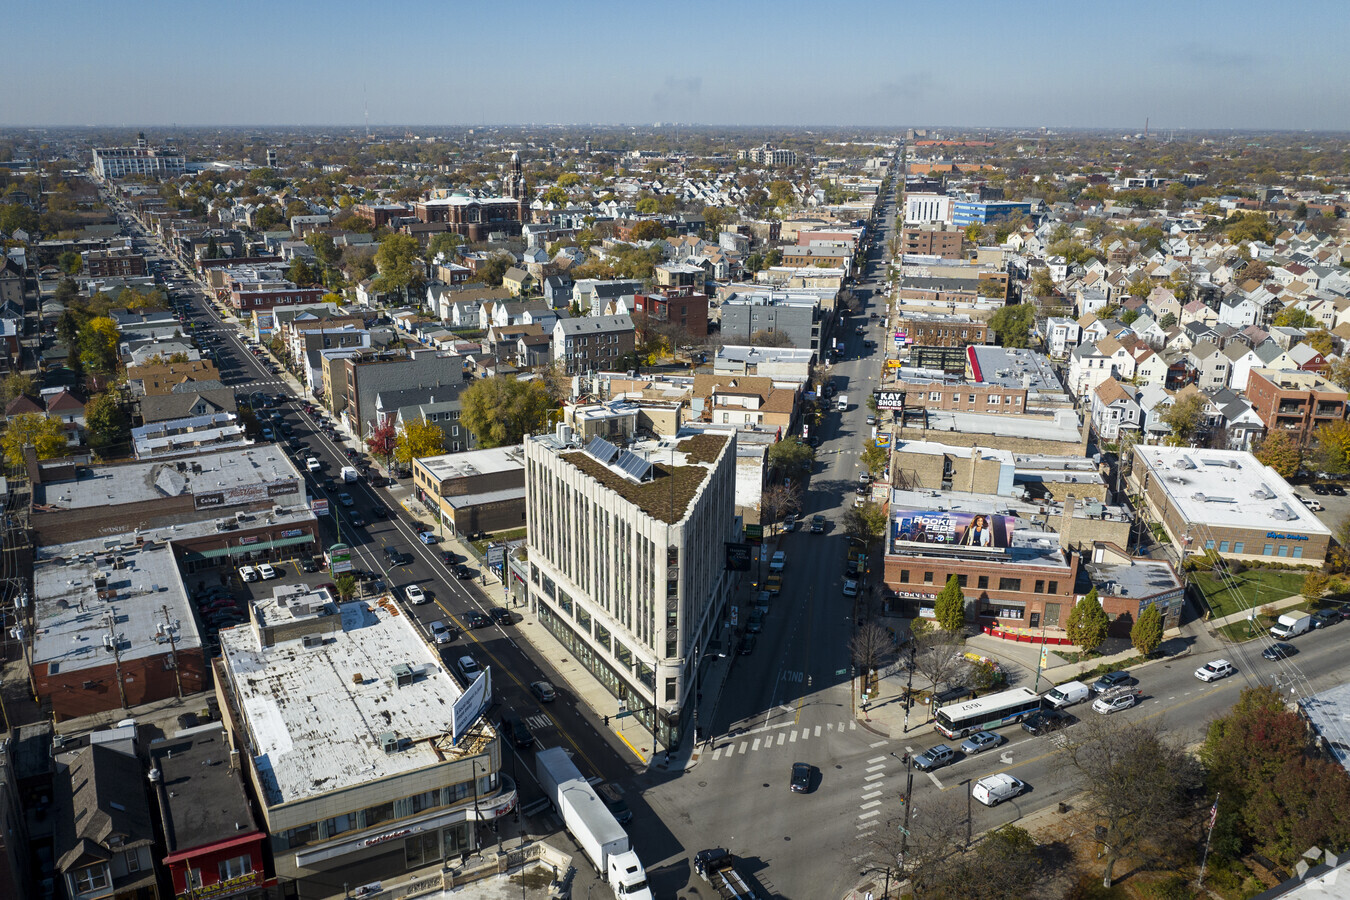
column 241, row 549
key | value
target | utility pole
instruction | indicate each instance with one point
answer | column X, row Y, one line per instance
column 111, row 620
column 171, row 632
column 908, row 810
column 909, row 684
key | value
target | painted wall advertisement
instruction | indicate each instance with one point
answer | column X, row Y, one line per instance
column 911, row 526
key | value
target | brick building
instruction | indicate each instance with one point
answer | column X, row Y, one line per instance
column 934, row 391
column 686, row 307
column 381, row 214
column 938, row 330
column 1226, row 501
column 114, row 264
column 248, row 296
column 475, row 491
column 932, row 240
column 1010, row 578
column 1297, row 403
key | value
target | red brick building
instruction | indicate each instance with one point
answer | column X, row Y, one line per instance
column 246, row 297
column 113, row 264
column 682, row 306
column 927, row 240
column 380, row 214
column 1297, row 403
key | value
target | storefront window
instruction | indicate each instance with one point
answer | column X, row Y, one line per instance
column 422, row 850
column 623, row 655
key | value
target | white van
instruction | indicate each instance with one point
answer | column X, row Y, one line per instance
column 1067, row 694
column 994, row 789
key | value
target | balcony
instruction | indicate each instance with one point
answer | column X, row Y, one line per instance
column 1330, row 411
column 1292, row 409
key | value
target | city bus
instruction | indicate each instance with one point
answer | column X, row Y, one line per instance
column 961, row 719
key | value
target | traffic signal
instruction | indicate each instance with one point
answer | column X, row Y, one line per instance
column 606, row 721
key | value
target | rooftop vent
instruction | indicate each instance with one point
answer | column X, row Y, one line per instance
column 388, row 742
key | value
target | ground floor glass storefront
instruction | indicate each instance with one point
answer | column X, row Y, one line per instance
column 665, row 726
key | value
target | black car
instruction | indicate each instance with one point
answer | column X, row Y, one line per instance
column 378, row 511
column 1336, row 490
column 500, row 616
column 309, row 564
column 329, row 485
column 1320, row 490
column 801, row 778
column 463, row 571
column 747, row 645
column 1329, row 616
column 448, row 557
column 478, row 620
column 519, row 733
column 357, row 521
column 1044, row 721
column 1111, row 680
column 1279, row 650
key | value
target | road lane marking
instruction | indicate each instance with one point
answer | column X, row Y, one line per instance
column 876, row 767
column 871, row 794
column 875, row 777
column 781, row 736
column 875, row 744
column 869, row 814
column 756, row 746
column 792, row 738
column 874, row 803
column 935, row 781
column 817, row 731
column 876, row 759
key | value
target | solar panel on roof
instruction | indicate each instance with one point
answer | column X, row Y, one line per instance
column 633, row 465
column 602, row 450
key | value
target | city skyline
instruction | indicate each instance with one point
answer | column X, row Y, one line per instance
column 972, row 65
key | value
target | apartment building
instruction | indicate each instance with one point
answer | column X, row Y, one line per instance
column 932, row 240
column 142, row 159
column 353, row 379
column 627, row 561
column 114, row 264
column 593, row 343
column 939, row 330
column 1297, row 403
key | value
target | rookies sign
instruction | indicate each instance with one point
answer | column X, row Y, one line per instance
column 950, row 528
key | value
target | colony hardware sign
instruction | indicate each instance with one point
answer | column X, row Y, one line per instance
column 889, row 399
column 244, row 493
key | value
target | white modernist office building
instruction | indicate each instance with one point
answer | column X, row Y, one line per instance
column 627, row 559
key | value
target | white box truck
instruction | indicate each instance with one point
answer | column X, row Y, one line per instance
column 1067, row 694
column 1290, row 625
column 590, row 822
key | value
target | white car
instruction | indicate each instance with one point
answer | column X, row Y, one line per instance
column 994, row 789
column 850, row 588
column 312, row 464
column 1213, row 671
column 778, row 562
column 248, row 573
column 266, row 572
column 415, row 594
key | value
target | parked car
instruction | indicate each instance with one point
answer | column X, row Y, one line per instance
column 500, row 615
column 248, row 573
column 1329, row 616
column 980, row 741
column 934, row 758
column 778, row 562
column 428, row 537
column 544, row 691
column 817, row 524
column 267, row 572
column 801, row 778
column 850, row 587
column 309, row 564
column 789, row 525
column 462, row 571
column 448, row 557
column 1213, row 671
column 747, row 645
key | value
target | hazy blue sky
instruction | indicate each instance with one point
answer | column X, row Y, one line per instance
column 1183, row 64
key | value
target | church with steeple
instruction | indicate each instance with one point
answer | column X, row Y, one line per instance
column 477, row 217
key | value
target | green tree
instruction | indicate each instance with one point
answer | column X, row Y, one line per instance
column 773, row 258
column 1146, row 633
column 47, row 436
column 1321, row 340
column 1012, row 325
column 1167, row 321
column 791, row 457
column 780, row 192
column 647, row 206
column 500, row 411
column 1139, row 286
column 346, row 587
column 418, row 438
column 1249, row 226
column 555, row 195
column 70, row 262
column 1042, row 285
column 1301, row 211
column 1281, row 452
column 991, row 288
column 212, row 248
column 1184, row 417
column 15, row 217
column 875, row 458
column 301, row 274
column 866, row 523
column 399, row 263
column 445, row 244
column 1332, row 442
column 950, row 606
column 326, row 251
column 1293, row 317
column 1087, row 625
column 107, row 425
column 491, row 270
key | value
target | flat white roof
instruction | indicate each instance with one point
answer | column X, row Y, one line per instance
column 316, row 713
column 1329, row 713
column 1228, row 488
column 475, row 462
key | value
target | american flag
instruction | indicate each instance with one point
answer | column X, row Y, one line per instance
column 1214, row 813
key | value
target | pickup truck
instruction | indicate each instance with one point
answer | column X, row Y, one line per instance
column 718, row 867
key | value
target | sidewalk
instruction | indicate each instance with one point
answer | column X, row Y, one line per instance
column 1245, row 614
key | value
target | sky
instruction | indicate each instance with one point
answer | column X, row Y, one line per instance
column 1181, row 64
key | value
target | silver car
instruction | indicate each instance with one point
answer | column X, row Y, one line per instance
column 980, row 741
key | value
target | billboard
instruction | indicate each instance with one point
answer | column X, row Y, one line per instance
column 889, row 399
column 955, row 529
column 738, row 557
column 340, row 559
column 470, row 705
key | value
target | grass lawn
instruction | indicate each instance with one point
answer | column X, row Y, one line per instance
column 514, row 534
column 1255, row 587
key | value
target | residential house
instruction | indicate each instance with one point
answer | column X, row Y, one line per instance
column 558, row 291
column 1242, row 359
column 1091, row 329
column 1211, row 366
column 1306, row 359
column 1196, row 311
column 1114, row 408
column 1061, row 336
column 593, row 343
column 1149, row 366
column 1239, row 311
column 105, row 832
column 1241, row 424
column 518, row 281
column 1164, row 303
column 195, row 399
column 751, row 402
column 1149, row 331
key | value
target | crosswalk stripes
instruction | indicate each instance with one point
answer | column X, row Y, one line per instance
column 790, row 736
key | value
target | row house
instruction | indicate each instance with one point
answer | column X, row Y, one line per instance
column 1114, row 408
column 593, row 343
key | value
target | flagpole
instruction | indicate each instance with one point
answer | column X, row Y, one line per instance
column 1213, row 817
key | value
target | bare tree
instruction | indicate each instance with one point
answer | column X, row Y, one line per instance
column 918, row 842
column 778, row 500
column 939, row 656
column 1138, row 785
column 871, row 648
